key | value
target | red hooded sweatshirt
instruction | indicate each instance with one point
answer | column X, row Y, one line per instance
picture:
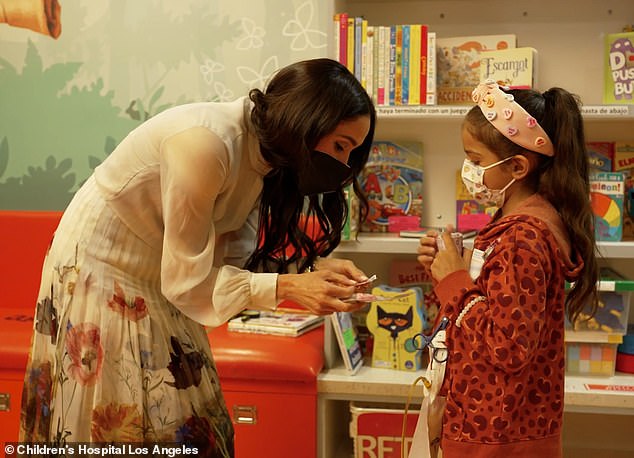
column 505, row 373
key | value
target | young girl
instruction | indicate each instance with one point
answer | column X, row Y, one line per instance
column 525, row 154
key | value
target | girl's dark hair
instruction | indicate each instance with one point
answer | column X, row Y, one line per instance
column 562, row 179
column 302, row 103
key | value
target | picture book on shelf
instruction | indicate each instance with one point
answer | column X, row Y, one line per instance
column 409, row 272
column 512, row 67
column 276, row 323
column 393, row 182
column 458, row 64
column 393, row 324
column 348, row 340
column 624, row 163
column 619, row 68
column 606, row 196
column 600, row 155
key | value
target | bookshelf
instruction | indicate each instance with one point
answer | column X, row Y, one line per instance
column 569, row 40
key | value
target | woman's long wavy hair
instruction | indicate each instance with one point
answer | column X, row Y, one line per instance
column 302, row 103
column 562, row 179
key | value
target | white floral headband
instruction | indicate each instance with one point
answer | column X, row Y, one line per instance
column 511, row 119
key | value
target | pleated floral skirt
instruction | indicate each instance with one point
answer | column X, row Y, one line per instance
column 112, row 361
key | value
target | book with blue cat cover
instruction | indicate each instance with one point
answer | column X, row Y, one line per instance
column 394, row 324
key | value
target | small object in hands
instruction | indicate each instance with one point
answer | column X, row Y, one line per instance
column 364, row 283
column 367, row 297
column 457, row 240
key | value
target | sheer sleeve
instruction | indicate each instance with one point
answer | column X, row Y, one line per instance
column 193, row 168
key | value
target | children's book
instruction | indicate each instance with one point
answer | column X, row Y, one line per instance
column 600, row 155
column 409, row 272
column 393, row 182
column 348, row 340
column 458, row 64
column 276, row 323
column 619, row 68
column 624, row 163
column 606, row 195
column 512, row 67
column 431, row 96
column 351, row 225
column 394, row 324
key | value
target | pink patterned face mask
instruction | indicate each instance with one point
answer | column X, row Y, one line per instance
column 473, row 179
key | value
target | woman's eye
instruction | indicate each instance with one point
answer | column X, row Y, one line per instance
column 338, row 147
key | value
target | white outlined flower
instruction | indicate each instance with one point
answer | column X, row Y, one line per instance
column 208, row 68
column 299, row 29
column 253, row 35
column 253, row 78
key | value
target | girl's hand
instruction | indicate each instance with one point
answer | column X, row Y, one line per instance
column 427, row 249
column 449, row 260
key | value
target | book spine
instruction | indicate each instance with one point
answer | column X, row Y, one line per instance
column 398, row 66
column 343, row 39
column 414, row 65
column 358, row 44
column 431, row 68
column 380, row 85
column 365, row 68
column 423, row 64
column 375, row 63
column 350, row 47
column 335, row 36
column 392, row 67
column 406, row 45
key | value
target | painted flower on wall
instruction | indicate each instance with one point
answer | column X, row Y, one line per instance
column 83, row 345
column 116, row 423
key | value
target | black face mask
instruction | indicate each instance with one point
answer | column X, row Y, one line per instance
column 323, row 173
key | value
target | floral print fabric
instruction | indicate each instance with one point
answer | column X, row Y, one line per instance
column 111, row 359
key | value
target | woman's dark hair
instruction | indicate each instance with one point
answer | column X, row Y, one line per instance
column 302, row 103
column 562, row 179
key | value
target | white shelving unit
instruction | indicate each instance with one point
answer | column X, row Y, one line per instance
column 569, row 40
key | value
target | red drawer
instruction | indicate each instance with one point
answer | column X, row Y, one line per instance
column 16, row 329
column 10, row 396
column 270, row 386
column 273, row 424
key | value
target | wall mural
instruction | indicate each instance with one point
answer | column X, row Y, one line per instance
column 77, row 76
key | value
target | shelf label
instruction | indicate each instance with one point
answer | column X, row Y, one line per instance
column 606, row 110
column 601, row 387
column 423, row 110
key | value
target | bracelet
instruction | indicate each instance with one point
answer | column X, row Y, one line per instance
column 467, row 307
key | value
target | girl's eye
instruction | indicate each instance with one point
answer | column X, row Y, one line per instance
column 338, row 147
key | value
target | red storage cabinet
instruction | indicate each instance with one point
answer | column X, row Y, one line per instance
column 24, row 239
column 270, row 386
column 16, row 328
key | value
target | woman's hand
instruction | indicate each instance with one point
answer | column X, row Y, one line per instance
column 321, row 292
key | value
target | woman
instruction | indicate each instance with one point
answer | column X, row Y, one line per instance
column 142, row 258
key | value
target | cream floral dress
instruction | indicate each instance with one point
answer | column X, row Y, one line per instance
column 136, row 270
